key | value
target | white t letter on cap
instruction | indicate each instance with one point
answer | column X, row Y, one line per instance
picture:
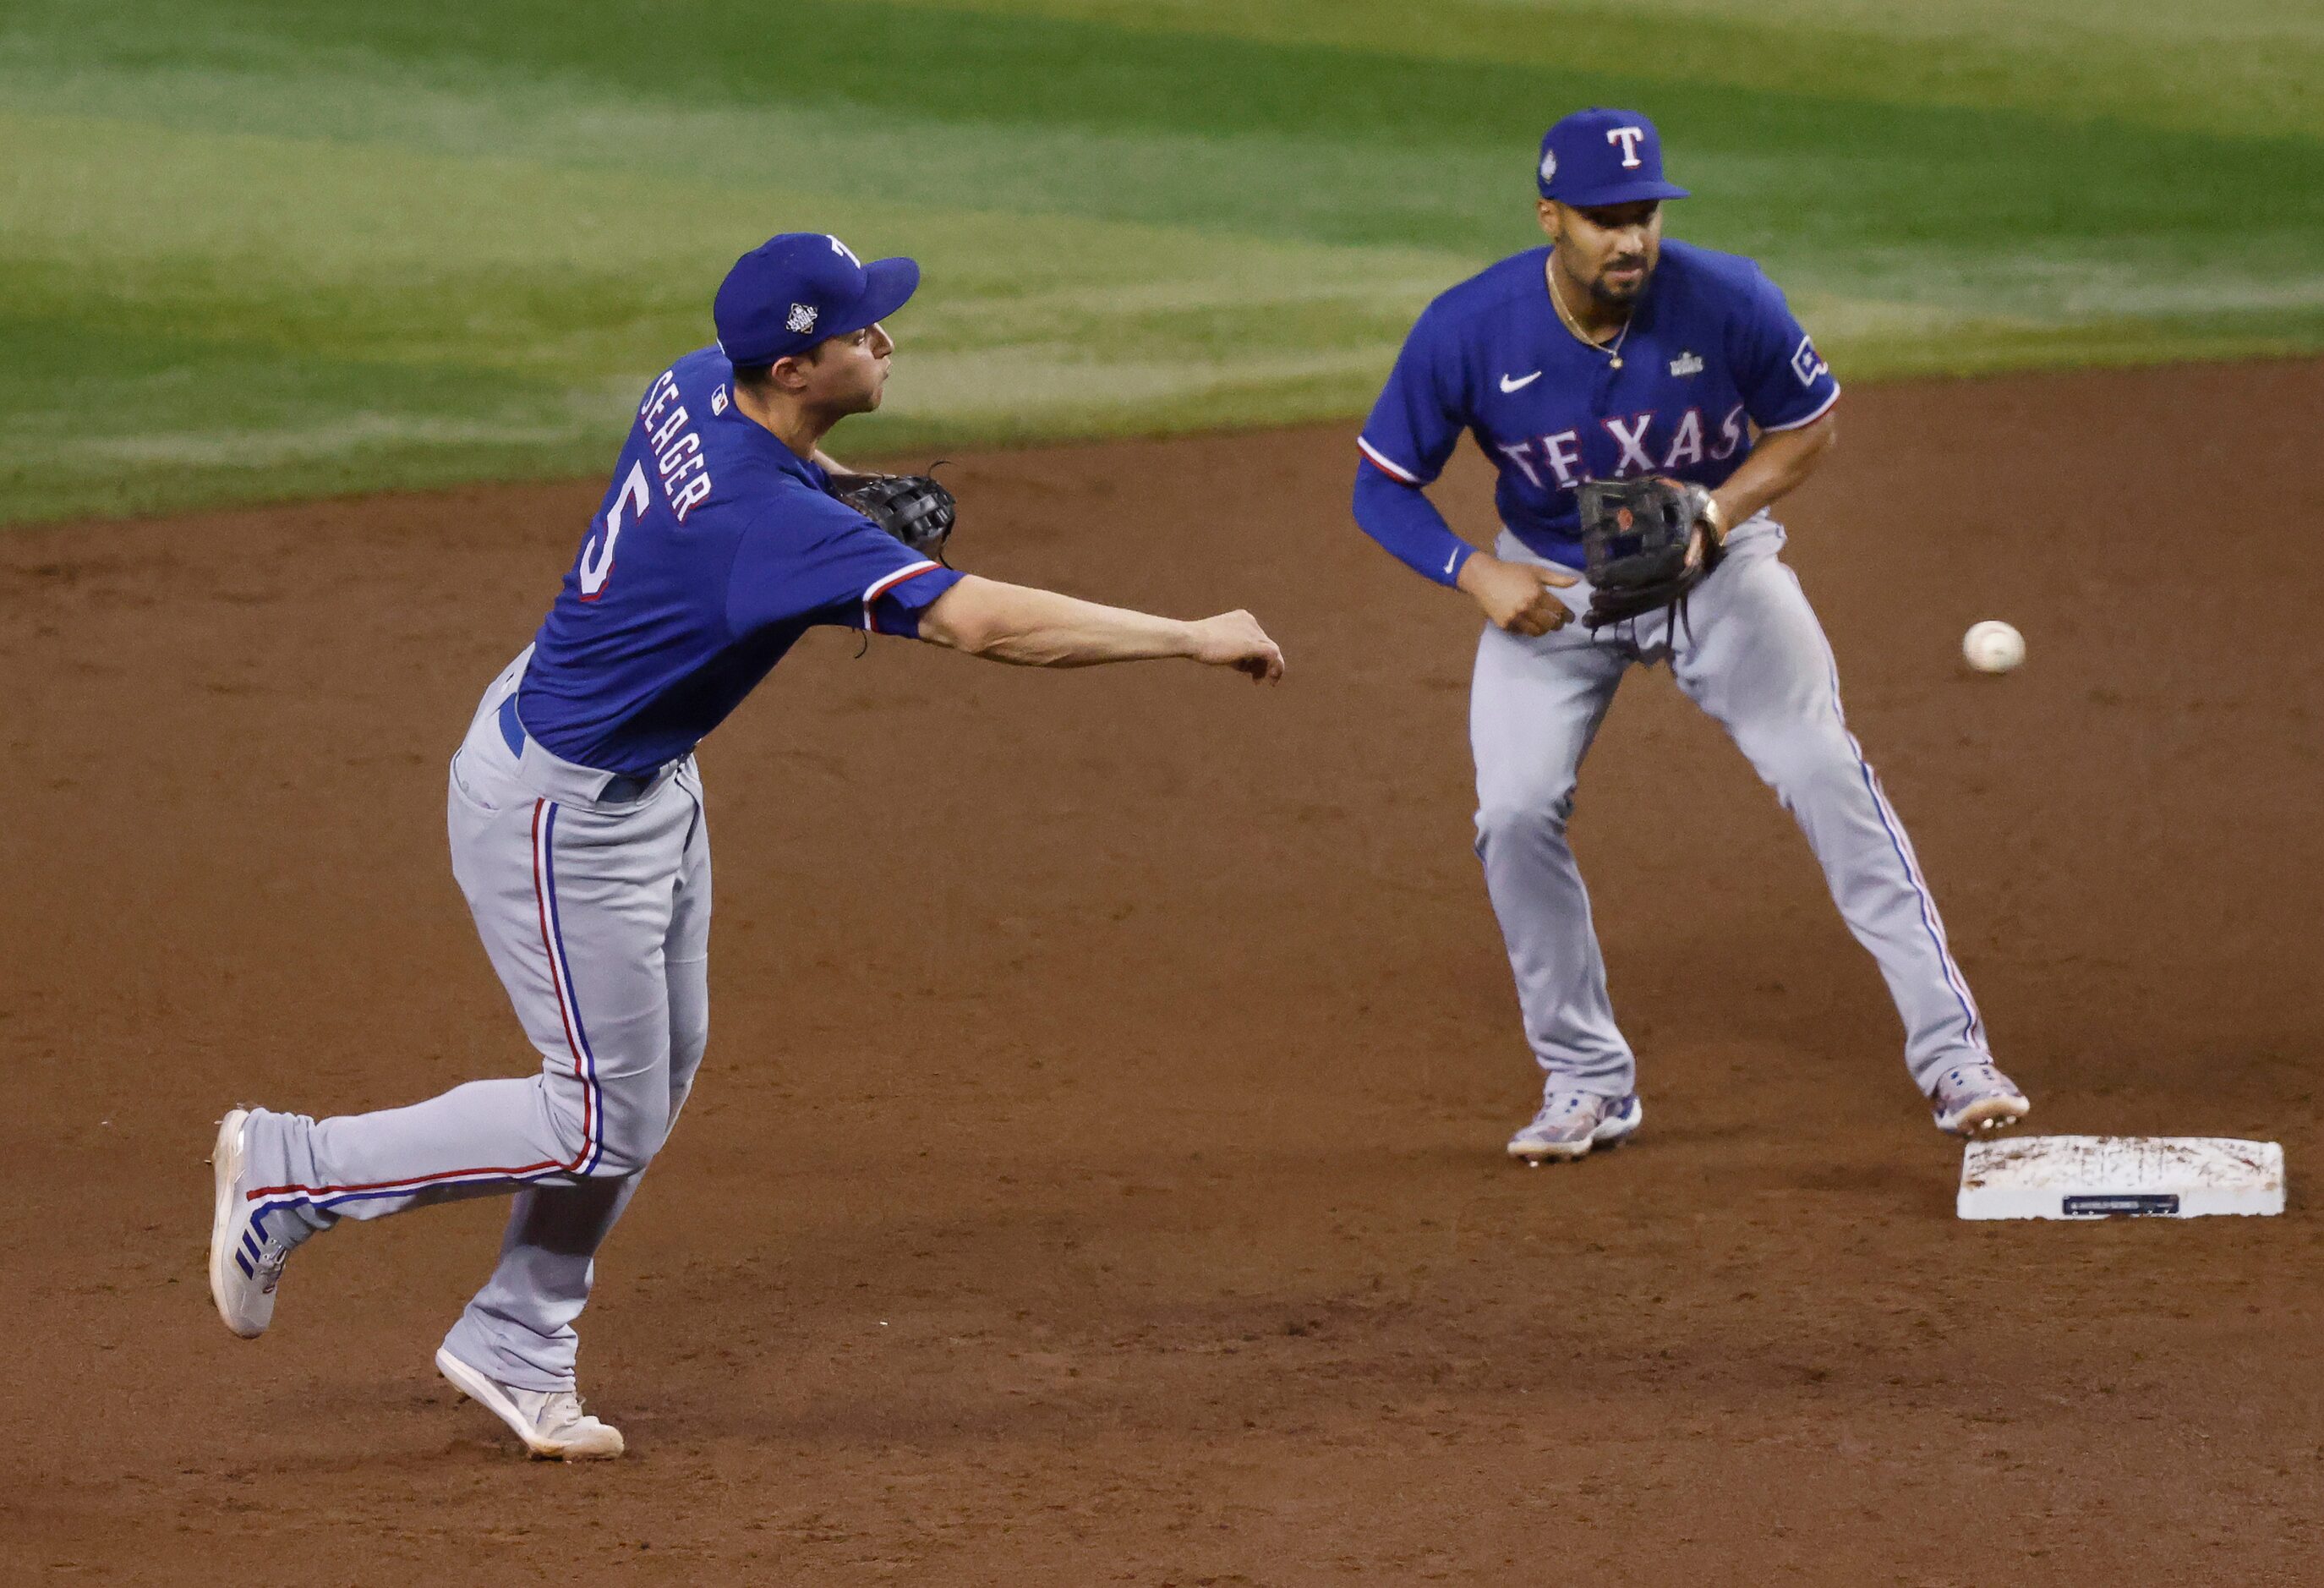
column 1628, row 137
column 843, row 251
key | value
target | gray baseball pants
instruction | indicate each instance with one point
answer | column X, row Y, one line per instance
column 592, row 895
column 1753, row 656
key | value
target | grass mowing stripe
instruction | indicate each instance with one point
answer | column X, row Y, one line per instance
column 376, row 239
column 371, row 240
column 932, row 60
column 1810, row 167
column 112, row 417
column 2227, row 67
column 1768, row 180
column 1280, row 184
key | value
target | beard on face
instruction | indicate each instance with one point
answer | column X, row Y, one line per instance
column 1608, row 291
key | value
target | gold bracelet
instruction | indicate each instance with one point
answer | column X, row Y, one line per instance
column 1715, row 519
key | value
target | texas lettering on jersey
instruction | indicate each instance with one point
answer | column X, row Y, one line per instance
column 1558, row 457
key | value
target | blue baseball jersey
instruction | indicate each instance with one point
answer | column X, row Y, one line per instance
column 1712, row 350
column 717, row 548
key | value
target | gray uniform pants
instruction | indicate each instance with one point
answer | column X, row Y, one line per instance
column 595, row 912
column 1753, row 656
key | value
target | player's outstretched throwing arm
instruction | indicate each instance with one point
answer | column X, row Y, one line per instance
column 1041, row 628
column 1010, row 623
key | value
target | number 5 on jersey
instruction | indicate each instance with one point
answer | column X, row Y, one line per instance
column 598, row 560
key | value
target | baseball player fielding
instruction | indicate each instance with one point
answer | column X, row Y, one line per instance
column 1614, row 355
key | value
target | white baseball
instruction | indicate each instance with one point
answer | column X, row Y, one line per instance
column 1993, row 646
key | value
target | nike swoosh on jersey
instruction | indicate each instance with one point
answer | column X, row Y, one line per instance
column 1521, row 384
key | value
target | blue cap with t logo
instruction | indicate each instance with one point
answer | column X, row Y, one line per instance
column 794, row 290
column 1599, row 157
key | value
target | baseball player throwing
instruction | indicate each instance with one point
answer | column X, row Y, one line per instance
column 576, row 819
column 1612, row 355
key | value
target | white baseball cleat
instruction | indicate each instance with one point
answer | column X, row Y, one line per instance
column 550, row 1422
column 1973, row 1099
column 1570, row 1124
column 246, row 1258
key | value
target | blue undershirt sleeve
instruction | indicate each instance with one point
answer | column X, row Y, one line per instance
column 1403, row 518
column 1411, row 432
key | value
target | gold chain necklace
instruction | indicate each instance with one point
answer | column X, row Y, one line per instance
column 1557, row 300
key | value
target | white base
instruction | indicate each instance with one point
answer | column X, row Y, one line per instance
column 2100, row 1177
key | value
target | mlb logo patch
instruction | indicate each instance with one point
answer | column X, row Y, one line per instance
column 802, row 318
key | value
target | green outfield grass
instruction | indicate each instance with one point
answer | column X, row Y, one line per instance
column 251, row 249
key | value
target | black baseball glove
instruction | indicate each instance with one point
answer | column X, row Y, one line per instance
column 1638, row 540
column 914, row 508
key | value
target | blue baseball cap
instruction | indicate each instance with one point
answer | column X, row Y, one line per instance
column 795, row 289
column 1599, row 157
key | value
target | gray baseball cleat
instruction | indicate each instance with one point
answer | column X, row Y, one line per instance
column 550, row 1422
column 1570, row 1124
column 1973, row 1099
column 247, row 1257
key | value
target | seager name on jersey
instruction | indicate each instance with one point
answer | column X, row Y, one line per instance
column 677, row 450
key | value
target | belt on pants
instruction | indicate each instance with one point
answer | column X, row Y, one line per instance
column 618, row 789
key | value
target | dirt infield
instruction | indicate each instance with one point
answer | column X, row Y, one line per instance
column 1096, row 1175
